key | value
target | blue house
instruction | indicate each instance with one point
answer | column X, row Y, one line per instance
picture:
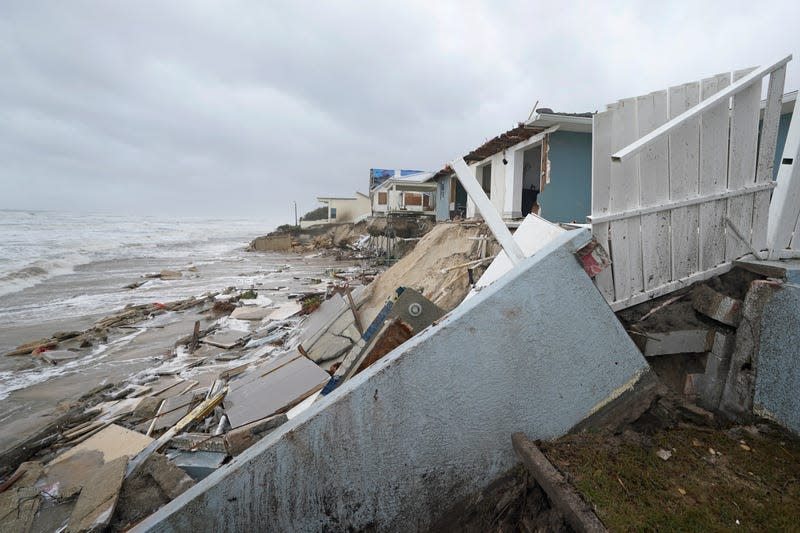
column 544, row 166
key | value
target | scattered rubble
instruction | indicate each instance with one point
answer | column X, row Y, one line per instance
column 125, row 449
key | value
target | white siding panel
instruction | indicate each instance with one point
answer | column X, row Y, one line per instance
column 654, row 177
column 714, row 125
column 742, row 163
column 624, row 194
column 684, row 147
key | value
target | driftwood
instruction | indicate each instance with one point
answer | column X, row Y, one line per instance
column 576, row 512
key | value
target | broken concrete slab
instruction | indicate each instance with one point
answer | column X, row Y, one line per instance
column 147, row 408
column 154, row 483
column 285, row 311
column 332, row 346
column 98, row 499
column 716, row 305
column 225, row 339
column 429, row 423
column 197, row 464
column 710, row 387
column 737, row 395
column 251, row 313
column 674, row 342
column 114, row 441
column 273, row 388
column 319, row 321
column 777, row 366
column 109, row 410
column 239, row 439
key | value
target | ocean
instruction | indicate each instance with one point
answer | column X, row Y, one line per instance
column 65, row 271
column 67, row 267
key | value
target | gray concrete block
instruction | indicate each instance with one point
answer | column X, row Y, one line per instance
column 777, row 372
column 737, row 395
column 681, row 341
column 717, row 306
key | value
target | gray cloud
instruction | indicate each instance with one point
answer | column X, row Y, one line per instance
column 238, row 108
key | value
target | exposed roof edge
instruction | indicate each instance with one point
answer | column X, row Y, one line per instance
column 567, row 122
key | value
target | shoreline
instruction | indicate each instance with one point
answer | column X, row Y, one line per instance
column 123, row 354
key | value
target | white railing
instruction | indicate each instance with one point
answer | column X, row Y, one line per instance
column 681, row 181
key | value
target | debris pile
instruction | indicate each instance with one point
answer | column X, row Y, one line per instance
column 379, row 238
column 123, row 450
column 67, row 344
column 692, row 338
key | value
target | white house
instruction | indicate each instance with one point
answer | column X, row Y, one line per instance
column 410, row 194
column 341, row 210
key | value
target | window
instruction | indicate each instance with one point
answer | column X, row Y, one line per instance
column 333, row 212
column 413, row 198
column 382, row 198
column 486, row 179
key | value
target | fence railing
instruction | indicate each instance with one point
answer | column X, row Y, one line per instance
column 682, row 180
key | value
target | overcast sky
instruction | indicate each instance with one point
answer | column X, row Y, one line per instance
column 238, row 108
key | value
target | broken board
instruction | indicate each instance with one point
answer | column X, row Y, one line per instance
column 251, row 313
column 273, row 388
column 285, row 311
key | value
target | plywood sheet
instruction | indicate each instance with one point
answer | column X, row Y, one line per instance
column 273, row 388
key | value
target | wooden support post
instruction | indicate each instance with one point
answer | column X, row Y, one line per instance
column 354, row 310
column 576, row 512
column 487, row 211
column 195, row 337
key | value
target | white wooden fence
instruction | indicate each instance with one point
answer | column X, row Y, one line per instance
column 682, row 180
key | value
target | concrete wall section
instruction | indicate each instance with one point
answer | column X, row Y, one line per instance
column 273, row 243
column 777, row 383
column 430, row 423
column 568, row 196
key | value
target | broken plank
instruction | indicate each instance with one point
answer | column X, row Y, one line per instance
column 577, row 513
column 199, row 412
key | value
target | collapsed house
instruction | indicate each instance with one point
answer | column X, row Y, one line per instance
column 542, row 167
column 410, row 194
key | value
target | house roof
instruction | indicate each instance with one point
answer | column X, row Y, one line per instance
column 410, row 179
column 502, row 141
column 444, row 171
column 546, row 117
column 328, row 198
